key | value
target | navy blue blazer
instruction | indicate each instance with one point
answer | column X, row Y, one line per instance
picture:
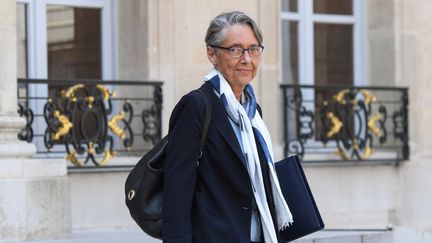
column 210, row 203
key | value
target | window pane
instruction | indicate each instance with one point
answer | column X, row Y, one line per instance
column 333, row 63
column 22, row 56
column 289, row 5
column 333, row 6
column 333, row 54
column 290, row 51
column 21, row 40
column 74, row 42
column 74, row 47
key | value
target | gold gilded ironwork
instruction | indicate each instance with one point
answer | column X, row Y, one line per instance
column 355, row 145
column 66, row 125
column 90, row 99
column 339, row 97
column 112, row 124
column 73, row 158
column 91, row 149
column 373, row 127
column 337, row 124
column 105, row 92
column 342, row 154
column 368, row 98
column 367, row 153
column 107, row 156
column 371, row 124
column 70, row 92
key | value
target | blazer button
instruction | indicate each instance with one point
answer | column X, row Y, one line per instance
column 245, row 208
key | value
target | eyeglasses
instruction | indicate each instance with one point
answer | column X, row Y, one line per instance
column 237, row 52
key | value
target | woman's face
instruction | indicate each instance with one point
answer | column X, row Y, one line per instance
column 237, row 71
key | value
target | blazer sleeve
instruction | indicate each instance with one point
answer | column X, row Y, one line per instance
column 180, row 170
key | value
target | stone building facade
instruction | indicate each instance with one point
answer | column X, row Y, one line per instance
column 164, row 40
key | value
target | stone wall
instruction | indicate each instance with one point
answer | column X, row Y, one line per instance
column 164, row 40
column 34, row 194
column 414, row 58
column 177, row 52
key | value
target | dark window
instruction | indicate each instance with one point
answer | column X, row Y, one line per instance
column 333, row 7
column 290, row 53
column 289, row 5
column 74, row 43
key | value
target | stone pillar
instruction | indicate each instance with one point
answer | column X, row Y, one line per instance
column 414, row 30
column 34, row 194
column 268, row 91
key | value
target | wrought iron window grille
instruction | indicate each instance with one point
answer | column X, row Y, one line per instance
column 90, row 121
column 340, row 123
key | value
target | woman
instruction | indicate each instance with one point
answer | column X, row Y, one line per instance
column 233, row 196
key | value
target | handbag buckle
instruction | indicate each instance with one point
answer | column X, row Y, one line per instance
column 131, row 194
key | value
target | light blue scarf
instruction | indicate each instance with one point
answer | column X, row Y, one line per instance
column 252, row 126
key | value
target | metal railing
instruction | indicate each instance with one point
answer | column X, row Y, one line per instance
column 90, row 122
column 340, row 123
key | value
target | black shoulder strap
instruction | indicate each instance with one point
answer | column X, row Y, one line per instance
column 206, row 121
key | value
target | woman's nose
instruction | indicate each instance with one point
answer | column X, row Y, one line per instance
column 246, row 57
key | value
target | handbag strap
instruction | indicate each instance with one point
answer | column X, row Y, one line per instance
column 206, row 122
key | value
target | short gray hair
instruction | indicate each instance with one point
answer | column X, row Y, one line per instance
column 216, row 31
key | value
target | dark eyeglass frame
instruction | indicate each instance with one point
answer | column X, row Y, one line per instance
column 228, row 49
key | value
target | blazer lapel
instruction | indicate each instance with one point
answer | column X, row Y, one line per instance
column 222, row 123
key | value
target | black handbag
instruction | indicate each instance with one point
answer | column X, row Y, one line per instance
column 144, row 184
column 297, row 194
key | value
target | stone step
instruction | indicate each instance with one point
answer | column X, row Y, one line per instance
column 105, row 236
column 137, row 236
column 347, row 236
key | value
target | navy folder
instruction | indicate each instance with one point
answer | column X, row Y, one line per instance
column 299, row 198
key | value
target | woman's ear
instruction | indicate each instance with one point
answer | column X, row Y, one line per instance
column 212, row 55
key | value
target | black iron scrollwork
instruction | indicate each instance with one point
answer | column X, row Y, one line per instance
column 353, row 125
column 347, row 119
column 383, row 135
column 295, row 100
column 53, row 125
column 89, row 135
column 296, row 147
column 157, row 96
column 79, row 121
column 124, row 133
column 305, row 119
column 400, row 122
column 128, row 140
column 151, row 118
column 26, row 134
column 84, row 119
column 350, row 121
